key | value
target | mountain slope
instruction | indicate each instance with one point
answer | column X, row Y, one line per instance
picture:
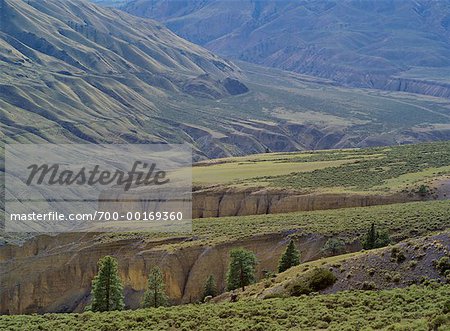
column 387, row 44
column 74, row 72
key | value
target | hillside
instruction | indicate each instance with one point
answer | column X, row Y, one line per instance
column 391, row 45
column 284, row 182
column 75, row 72
column 53, row 274
column 414, row 308
column 413, row 261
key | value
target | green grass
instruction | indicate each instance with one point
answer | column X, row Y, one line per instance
column 370, row 170
column 401, row 220
column 413, row 308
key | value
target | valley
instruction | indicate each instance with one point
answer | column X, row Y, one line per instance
column 320, row 135
column 70, row 80
column 228, row 196
column 386, row 45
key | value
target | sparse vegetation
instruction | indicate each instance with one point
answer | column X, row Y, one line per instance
column 412, row 308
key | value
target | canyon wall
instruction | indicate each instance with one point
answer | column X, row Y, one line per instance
column 54, row 274
column 234, row 202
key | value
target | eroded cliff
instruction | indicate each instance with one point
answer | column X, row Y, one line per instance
column 54, row 274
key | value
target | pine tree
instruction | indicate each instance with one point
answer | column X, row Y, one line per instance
column 290, row 258
column 375, row 239
column 107, row 289
column 155, row 296
column 241, row 271
column 210, row 287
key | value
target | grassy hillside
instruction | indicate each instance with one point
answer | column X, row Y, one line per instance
column 414, row 308
column 390, row 169
column 400, row 220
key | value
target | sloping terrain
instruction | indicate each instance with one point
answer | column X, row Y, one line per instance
column 392, row 45
column 284, row 182
column 74, row 72
column 413, row 261
column 413, row 308
column 54, row 274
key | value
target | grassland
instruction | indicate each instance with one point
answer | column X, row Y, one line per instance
column 400, row 220
column 413, row 308
column 380, row 169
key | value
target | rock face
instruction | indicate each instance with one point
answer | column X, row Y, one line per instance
column 221, row 202
column 233, row 202
column 54, row 274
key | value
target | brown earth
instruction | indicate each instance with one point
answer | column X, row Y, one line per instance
column 54, row 274
column 409, row 262
column 219, row 202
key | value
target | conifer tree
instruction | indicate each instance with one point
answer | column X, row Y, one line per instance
column 210, row 287
column 241, row 271
column 107, row 289
column 375, row 239
column 290, row 258
column 155, row 295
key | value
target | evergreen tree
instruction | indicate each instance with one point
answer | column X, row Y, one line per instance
column 375, row 239
column 155, row 296
column 107, row 289
column 210, row 287
column 290, row 258
column 241, row 271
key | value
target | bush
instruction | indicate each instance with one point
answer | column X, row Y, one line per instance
column 316, row 280
column 443, row 264
column 367, row 286
column 397, row 255
column 333, row 246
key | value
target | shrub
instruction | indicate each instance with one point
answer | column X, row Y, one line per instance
column 397, row 255
column 443, row 264
column 367, row 286
column 333, row 246
column 423, row 190
column 316, row 280
column 412, row 264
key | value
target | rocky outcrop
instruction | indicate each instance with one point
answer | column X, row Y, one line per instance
column 219, row 202
column 54, row 274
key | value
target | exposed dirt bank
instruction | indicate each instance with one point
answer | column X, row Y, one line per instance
column 234, row 202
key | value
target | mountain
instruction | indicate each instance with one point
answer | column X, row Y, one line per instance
column 74, row 71
column 386, row 44
column 71, row 71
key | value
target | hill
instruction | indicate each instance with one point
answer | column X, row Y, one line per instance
column 283, row 182
column 75, row 72
column 391, row 45
column 53, row 274
column 414, row 308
